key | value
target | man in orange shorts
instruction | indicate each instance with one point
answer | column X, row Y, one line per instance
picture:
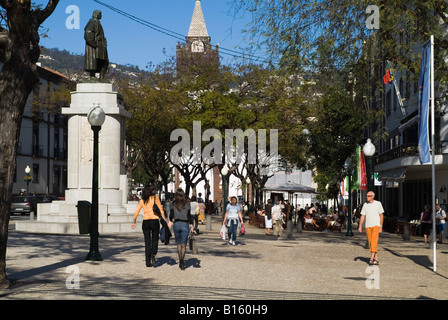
column 372, row 213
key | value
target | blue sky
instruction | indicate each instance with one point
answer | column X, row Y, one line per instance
column 135, row 44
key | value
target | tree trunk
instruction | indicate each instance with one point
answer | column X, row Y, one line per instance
column 16, row 83
column 17, row 79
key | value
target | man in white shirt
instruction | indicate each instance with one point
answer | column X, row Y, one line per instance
column 373, row 214
column 440, row 219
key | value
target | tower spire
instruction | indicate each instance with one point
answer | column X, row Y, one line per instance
column 197, row 26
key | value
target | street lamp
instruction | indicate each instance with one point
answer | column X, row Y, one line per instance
column 369, row 151
column 224, row 172
column 349, row 165
column 96, row 118
column 247, row 191
column 27, row 179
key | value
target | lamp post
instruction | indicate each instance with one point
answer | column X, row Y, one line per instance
column 96, row 118
column 224, row 172
column 369, row 151
column 349, row 168
column 247, row 193
column 27, row 179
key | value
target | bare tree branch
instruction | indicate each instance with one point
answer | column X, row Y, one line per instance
column 42, row 15
column 6, row 4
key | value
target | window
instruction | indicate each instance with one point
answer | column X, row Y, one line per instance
column 35, row 173
column 388, row 102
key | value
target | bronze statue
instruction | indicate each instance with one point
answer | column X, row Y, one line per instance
column 96, row 58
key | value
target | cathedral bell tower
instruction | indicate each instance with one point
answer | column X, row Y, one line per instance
column 194, row 57
column 197, row 53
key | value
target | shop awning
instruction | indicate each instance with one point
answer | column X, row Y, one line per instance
column 396, row 175
column 290, row 187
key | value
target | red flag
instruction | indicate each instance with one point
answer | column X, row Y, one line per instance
column 362, row 173
column 387, row 77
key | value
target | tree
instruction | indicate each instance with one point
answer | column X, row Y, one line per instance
column 154, row 103
column 334, row 134
column 292, row 30
column 20, row 45
column 253, row 97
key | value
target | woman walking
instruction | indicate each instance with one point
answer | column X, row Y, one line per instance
column 268, row 218
column 151, row 224
column 426, row 222
column 182, row 222
column 277, row 217
column 233, row 212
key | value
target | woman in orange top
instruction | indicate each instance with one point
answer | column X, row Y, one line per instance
column 151, row 224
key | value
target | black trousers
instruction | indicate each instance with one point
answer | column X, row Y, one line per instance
column 151, row 229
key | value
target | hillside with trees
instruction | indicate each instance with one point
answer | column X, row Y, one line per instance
column 72, row 65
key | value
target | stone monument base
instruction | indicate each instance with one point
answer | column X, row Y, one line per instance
column 115, row 213
column 60, row 217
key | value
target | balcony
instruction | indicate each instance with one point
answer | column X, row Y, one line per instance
column 405, row 150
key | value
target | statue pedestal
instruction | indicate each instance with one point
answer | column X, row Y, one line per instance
column 112, row 173
column 61, row 216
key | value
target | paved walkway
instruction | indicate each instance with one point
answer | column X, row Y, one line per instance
column 312, row 265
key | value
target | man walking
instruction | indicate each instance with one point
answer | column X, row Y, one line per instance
column 440, row 221
column 373, row 214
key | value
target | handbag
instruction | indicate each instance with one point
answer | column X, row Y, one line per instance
column 155, row 208
column 243, row 230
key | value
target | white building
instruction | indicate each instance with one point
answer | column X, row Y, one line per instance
column 43, row 142
column 406, row 183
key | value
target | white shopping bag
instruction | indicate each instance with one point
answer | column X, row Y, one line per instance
column 223, row 232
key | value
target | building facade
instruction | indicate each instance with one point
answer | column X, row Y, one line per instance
column 406, row 184
column 43, row 140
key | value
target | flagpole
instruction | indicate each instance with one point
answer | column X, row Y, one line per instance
column 433, row 238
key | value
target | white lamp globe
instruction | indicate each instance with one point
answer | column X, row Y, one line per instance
column 96, row 116
column 369, row 148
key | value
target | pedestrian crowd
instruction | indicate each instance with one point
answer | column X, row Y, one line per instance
column 183, row 216
column 426, row 222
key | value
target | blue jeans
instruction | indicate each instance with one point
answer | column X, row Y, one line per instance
column 181, row 232
column 232, row 228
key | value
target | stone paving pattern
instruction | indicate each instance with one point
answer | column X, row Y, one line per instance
column 311, row 266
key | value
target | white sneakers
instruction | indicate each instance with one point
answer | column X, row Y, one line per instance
column 232, row 242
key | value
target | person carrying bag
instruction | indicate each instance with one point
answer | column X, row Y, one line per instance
column 152, row 212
